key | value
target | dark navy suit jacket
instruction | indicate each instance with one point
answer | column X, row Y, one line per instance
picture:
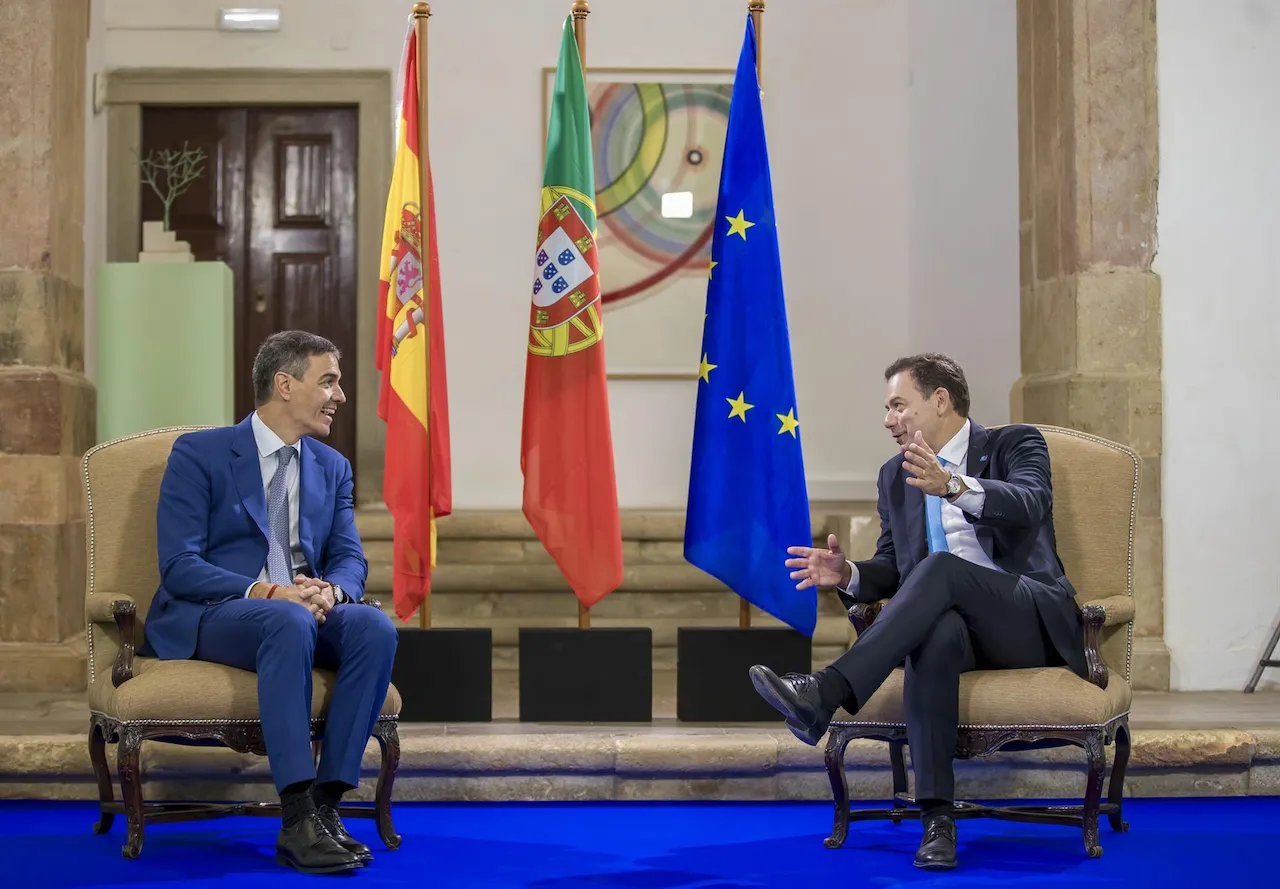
column 1015, row 528
column 211, row 528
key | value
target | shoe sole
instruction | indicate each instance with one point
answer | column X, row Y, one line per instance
column 929, row 865
column 779, row 696
column 327, row 869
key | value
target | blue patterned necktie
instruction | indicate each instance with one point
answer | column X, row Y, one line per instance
column 933, row 520
column 279, row 569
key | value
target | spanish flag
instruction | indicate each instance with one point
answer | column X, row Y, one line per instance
column 417, row 484
column 566, row 452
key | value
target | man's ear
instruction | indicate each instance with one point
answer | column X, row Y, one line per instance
column 284, row 385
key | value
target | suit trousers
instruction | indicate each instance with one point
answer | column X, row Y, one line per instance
column 281, row 641
column 948, row 617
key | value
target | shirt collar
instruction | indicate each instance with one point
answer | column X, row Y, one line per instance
column 956, row 451
column 268, row 442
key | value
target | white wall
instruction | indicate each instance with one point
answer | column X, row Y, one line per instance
column 1219, row 94
column 878, row 232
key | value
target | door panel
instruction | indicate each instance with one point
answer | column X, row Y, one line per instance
column 277, row 204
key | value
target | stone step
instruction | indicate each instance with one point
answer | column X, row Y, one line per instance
column 665, row 760
column 642, row 606
column 488, row 577
column 375, row 523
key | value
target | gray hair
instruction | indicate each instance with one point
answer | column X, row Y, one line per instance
column 288, row 351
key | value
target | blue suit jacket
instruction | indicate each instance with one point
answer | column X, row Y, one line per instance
column 1015, row 528
column 211, row 528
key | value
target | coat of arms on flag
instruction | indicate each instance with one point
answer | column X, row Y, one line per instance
column 565, row 312
column 406, row 275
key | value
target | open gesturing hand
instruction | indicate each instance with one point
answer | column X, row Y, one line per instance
column 819, row 567
column 927, row 473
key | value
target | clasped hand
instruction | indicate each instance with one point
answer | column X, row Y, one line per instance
column 311, row 593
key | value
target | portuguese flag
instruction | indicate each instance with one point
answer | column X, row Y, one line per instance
column 417, row 484
column 566, row 455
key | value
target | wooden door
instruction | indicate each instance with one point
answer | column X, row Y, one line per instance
column 277, row 204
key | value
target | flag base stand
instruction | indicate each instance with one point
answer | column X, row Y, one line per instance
column 712, row 684
column 444, row 674
column 599, row 674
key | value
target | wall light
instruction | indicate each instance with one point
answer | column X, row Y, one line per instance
column 677, row 204
column 242, row 19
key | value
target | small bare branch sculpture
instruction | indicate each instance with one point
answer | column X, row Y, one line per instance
column 179, row 169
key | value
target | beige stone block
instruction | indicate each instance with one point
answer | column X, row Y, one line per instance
column 1100, row 406
column 41, row 320
column 1204, row 748
column 1232, row 781
column 665, row 552
column 40, row 666
column 549, row 753
column 1146, row 415
column 1150, row 670
column 40, row 490
column 46, row 412
column 1148, row 576
column 719, row 788
column 1117, row 321
column 711, row 753
column 1150, row 483
column 1046, row 400
column 1049, row 327
column 42, row 581
column 453, row 551
column 1047, row 157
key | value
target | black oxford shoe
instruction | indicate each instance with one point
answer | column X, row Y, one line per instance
column 338, row 830
column 795, row 696
column 938, row 848
column 308, row 847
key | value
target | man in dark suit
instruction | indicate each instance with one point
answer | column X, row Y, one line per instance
column 967, row 559
column 260, row 563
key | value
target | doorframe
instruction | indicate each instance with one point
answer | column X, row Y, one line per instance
column 128, row 89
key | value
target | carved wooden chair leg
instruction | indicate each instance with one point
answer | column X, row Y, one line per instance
column 834, row 756
column 98, row 756
column 388, row 737
column 1093, row 793
column 1115, row 789
column 129, row 763
column 899, row 776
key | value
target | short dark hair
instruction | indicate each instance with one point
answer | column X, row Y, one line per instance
column 933, row 371
column 288, row 351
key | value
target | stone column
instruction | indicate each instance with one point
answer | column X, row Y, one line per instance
column 1091, row 345
column 46, row 404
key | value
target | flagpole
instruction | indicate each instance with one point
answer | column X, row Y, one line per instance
column 421, row 12
column 756, row 9
column 582, row 9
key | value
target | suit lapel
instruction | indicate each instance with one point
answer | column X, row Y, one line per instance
column 979, row 459
column 248, row 474
column 913, row 513
column 311, row 493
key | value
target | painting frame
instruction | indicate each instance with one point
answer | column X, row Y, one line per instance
column 658, row 370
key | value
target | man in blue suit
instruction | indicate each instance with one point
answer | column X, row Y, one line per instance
column 260, row 563
column 966, row 557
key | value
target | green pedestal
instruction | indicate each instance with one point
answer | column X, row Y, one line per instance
column 166, row 346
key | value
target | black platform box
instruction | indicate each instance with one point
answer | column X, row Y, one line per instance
column 598, row 674
column 712, row 684
column 445, row 674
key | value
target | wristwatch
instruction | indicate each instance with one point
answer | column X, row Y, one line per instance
column 953, row 486
column 338, row 595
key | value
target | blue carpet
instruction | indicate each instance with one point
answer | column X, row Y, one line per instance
column 1173, row 842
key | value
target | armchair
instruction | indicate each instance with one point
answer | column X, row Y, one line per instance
column 1095, row 484
column 134, row 699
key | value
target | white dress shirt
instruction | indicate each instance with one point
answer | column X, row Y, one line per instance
column 962, row 540
column 268, row 443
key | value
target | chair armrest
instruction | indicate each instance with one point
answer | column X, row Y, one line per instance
column 121, row 610
column 370, row 601
column 862, row 614
column 1117, row 609
column 1095, row 617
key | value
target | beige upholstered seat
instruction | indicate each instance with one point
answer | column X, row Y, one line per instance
column 132, row 699
column 1095, row 500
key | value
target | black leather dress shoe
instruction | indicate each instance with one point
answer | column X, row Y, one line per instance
column 308, row 847
column 795, row 696
column 338, row 830
column 938, row 848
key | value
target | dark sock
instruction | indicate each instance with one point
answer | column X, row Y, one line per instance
column 834, row 690
column 931, row 807
column 295, row 802
column 329, row 793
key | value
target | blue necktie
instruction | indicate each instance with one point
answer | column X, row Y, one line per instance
column 933, row 520
column 279, row 569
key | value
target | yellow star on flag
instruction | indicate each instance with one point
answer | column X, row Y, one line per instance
column 738, row 225
column 789, row 422
column 740, row 407
column 705, row 369
column 711, row 267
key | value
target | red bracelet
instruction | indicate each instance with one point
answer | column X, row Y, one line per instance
column 271, row 592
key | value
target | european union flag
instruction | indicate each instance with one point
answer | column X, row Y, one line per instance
column 747, row 496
